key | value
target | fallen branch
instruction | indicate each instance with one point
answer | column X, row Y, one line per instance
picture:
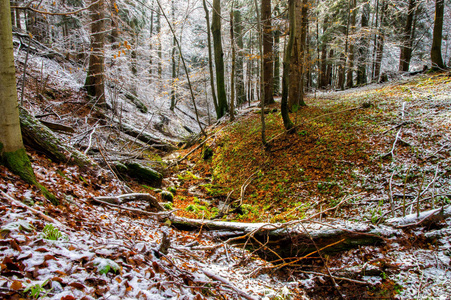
column 228, row 284
column 118, row 200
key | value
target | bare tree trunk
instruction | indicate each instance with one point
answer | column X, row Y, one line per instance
column 95, row 78
column 436, row 49
column 268, row 59
column 262, row 74
column 296, row 60
column 173, row 61
column 232, row 75
column 380, row 43
column 12, row 150
column 277, row 34
column 238, row 27
column 210, row 60
column 350, row 73
column 363, row 46
column 219, row 58
column 158, row 31
column 407, row 39
column 286, row 67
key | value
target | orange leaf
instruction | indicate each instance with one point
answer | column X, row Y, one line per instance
column 16, row 285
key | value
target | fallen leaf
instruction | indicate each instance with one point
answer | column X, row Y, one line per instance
column 16, row 285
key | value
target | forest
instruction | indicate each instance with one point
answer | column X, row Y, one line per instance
column 234, row 149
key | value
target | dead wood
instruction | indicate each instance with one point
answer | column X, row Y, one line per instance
column 145, row 137
column 40, row 137
column 119, row 200
column 228, row 284
column 58, row 127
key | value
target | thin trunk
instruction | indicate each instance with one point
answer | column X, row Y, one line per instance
column 173, row 61
column 376, row 32
column 286, row 67
column 159, row 52
column 277, row 34
column 232, row 75
column 238, row 27
column 151, row 44
column 303, row 52
column 267, row 40
column 436, row 49
column 260, row 27
column 219, row 58
column 350, row 74
column 380, row 42
column 363, row 46
column 210, row 60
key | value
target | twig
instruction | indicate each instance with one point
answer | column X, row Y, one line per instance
column 335, row 277
column 337, row 287
column 158, row 214
column 55, row 13
column 391, row 195
column 25, row 72
column 227, row 283
column 90, row 139
column 36, row 212
column 397, row 134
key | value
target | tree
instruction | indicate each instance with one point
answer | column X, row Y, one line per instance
column 407, row 39
column 286, row 67
column 436, row 49
column 380, row 40
column 95, row 84
column 210, row 60
column 12, row 150
column 353, row 14
column 268, row 53
column 238, row 28
column 363, row 45
column 219, row 58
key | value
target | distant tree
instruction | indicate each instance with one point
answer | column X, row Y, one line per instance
column 380, row 40
column 277, row 34
column 436, row 49
column 219, row 58
column 351, row 31
column 12, row 150
column 95, row 84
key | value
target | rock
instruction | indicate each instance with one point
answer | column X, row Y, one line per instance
column 167, row 196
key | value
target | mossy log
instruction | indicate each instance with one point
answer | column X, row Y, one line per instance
column 40, row 137
column 138, row 103
column 145, row 137
column 140, row 172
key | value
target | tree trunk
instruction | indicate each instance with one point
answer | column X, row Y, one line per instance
column 12, row 151
column 219, row 58
column 363, row 46
column 303, row 52
column 173, row 62
column 238, row 27
column 296, row 60
column 436, row 49
column 350, row 73
column 210, row 60
column 380, row 42
column 407, row 39
column 95, row 78
column 159, row 52
column 276, row 79
column 232, row 75
column 268, row 53
column 286, row 67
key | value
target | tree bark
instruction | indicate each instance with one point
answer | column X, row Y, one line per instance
column 268, row 60
column 94, row 84
column 210, row 60
column 350, row 72
column 238, row 27
column 232, row 75
column 436, row 49
column 277, row 34
column 407, row 39
column 380, row 42
column 219, row 58
column 363, row 46
column 286, row 67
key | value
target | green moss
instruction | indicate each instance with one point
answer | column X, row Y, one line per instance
column 19, row 163
column 168, row 196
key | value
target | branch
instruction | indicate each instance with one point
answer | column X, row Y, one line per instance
column 55, row 13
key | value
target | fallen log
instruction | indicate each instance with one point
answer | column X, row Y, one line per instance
column 140, row 172
column 293, row 238
column 118, row 200
column 145, row 137
column 40, row 137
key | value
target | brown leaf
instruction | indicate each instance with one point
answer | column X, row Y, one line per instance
column 14, row 245
column 16, row 285
column 77, row 285
column 68, row 297
column 49, row 257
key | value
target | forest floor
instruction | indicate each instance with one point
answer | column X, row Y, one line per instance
column 381, row 152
